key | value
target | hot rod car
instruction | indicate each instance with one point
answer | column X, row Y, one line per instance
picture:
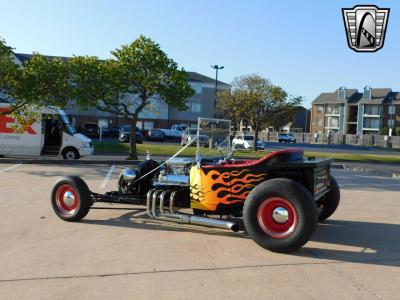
column 279, row 198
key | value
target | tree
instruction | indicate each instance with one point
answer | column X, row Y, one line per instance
column 126, row 84
column 259, row 102
column 9, row 71
column 38, row 82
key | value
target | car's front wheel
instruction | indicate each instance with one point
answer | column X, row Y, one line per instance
column 71, row 198
column 70, row 153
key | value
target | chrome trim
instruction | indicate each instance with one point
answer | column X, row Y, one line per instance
column 280, row 214
column 69, row 198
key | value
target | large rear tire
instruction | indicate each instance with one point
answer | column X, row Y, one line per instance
column 71, row 198
column 280, row 215
column 328, row 204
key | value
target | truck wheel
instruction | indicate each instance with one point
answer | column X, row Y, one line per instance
column 328, row 204
column 71, row 199
column 70, row 153
column 280, row 215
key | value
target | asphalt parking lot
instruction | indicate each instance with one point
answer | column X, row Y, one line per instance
column 118, row 253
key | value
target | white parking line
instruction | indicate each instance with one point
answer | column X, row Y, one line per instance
column 108, row 176
column 10, row 168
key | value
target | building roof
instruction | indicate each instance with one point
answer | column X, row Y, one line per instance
column 22, row 57
column 328, row 98
column 193, row 76
column 196, row 77
column 394, row 98
column 378, row 96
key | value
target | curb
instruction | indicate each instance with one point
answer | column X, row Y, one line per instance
column 377, row 172
column 68, row 162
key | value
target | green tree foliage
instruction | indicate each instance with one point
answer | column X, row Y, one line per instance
column 256, row 100
column 384, row 131
column 36, row 83
column 125, row 84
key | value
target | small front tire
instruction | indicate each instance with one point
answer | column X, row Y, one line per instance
column 70, row 199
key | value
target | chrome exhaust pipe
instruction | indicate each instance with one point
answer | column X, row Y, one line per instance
column 182, row 218
column 214, row 223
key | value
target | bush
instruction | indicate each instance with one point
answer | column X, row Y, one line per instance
column 397, row 131
column 384, row 131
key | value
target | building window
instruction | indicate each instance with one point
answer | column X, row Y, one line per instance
column 197, row 88
column 103, row 123
column 391, row 110
column 371, row 109
column 332, row 109
column 391, row 123
column 148, row 125
column 319, row 122
column 320, row 108
column 195, row 107
column 332, row 122
column 371, row 123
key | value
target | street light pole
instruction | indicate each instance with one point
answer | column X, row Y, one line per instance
column 216, row 67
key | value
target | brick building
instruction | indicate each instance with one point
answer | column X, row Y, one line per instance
column 348, row 111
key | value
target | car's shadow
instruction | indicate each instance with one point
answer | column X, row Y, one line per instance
column 335, row 240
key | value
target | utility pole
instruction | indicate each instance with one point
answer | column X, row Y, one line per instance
column 216, row 67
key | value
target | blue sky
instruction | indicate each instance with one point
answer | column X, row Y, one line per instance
column 300, row 45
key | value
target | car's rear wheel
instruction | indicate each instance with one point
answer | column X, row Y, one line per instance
column 328, row 204
column 280, row 215
column 71, row 198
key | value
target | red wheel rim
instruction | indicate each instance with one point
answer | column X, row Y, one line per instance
column 277, row 217
column 67, row 199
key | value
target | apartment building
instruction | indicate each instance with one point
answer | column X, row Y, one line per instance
column 348, row 111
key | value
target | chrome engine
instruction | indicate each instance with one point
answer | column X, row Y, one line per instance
column 174, row 173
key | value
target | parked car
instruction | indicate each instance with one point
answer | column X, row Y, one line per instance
column 125, row 135
column 190, row 133
column 115, row 130
column 91, row 130
column 105, row 132
column 155, row 135
column 175, row 131
column 286, row 138
column 246, row 142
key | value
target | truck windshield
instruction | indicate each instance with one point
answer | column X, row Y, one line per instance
column 67, row 125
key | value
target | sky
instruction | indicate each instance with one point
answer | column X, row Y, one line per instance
column 299, row 45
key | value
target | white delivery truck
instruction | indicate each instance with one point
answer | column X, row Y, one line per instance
column 52, row 134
